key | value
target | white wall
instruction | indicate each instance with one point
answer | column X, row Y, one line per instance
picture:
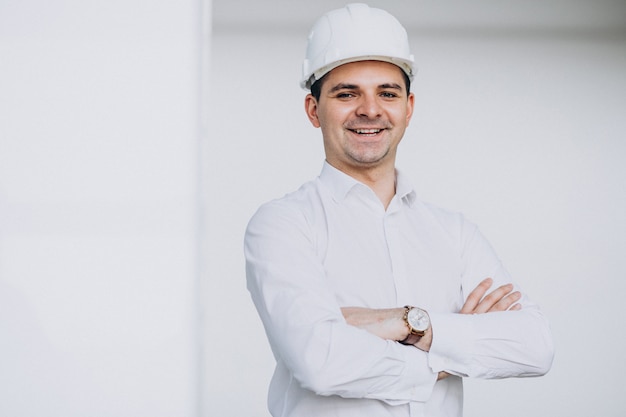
column 115, row 242
column 99, row 174
column 522, row 131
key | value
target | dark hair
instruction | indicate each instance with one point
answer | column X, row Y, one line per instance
column 316, row 87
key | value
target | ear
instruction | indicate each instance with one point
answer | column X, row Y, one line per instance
column 310, row 107
column 409, row 108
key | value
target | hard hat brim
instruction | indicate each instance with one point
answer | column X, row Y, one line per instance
column 405, row 65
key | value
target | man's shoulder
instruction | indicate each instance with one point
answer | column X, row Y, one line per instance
column 299, row 199
column 295, row 204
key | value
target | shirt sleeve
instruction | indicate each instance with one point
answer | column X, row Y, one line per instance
column 304, row 324
column 491, row 345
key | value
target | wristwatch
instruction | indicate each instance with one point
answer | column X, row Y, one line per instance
column 418, row 321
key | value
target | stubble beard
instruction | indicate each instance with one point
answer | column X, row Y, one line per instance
column 367, row 157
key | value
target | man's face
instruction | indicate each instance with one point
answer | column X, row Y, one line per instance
column 363, row 112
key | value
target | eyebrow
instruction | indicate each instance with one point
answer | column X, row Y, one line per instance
column 344, row 86
column 391, row 85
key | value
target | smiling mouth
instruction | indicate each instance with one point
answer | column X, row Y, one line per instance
column 367, row 132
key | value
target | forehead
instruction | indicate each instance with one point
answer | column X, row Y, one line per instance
column 364, row 74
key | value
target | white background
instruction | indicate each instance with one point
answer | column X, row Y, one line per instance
column 99, row 208
column 127, row 180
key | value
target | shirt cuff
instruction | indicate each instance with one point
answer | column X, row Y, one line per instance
column 453, row 338
column 419, row 372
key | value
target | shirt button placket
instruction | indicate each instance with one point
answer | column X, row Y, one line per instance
column 396, row 256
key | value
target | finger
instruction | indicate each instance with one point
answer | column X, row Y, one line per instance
column 493, row 298
column 442, row 375
column 475, row 296
column 506, row 302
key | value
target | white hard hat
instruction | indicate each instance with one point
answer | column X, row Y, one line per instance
column 356, row 32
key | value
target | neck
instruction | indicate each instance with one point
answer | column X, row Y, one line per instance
column 381, row 180
column 384, row 188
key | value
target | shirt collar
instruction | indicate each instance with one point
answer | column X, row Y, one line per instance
column 340, row 184
column 404, row 188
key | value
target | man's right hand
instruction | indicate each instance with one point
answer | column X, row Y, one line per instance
column 501, row 299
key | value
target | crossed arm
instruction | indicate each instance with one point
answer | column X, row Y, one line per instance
column 389, row 324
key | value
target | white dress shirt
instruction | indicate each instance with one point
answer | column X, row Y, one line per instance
column 332, row 244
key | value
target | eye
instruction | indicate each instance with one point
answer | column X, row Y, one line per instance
column 388, row 94
column 345, row 95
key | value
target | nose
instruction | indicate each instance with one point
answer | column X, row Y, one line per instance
column 369, row 106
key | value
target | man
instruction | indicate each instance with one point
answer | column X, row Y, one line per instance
column 374, row 302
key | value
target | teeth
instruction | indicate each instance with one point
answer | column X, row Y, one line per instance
column 367, row 131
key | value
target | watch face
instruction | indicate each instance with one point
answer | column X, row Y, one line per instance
column 418, row 319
